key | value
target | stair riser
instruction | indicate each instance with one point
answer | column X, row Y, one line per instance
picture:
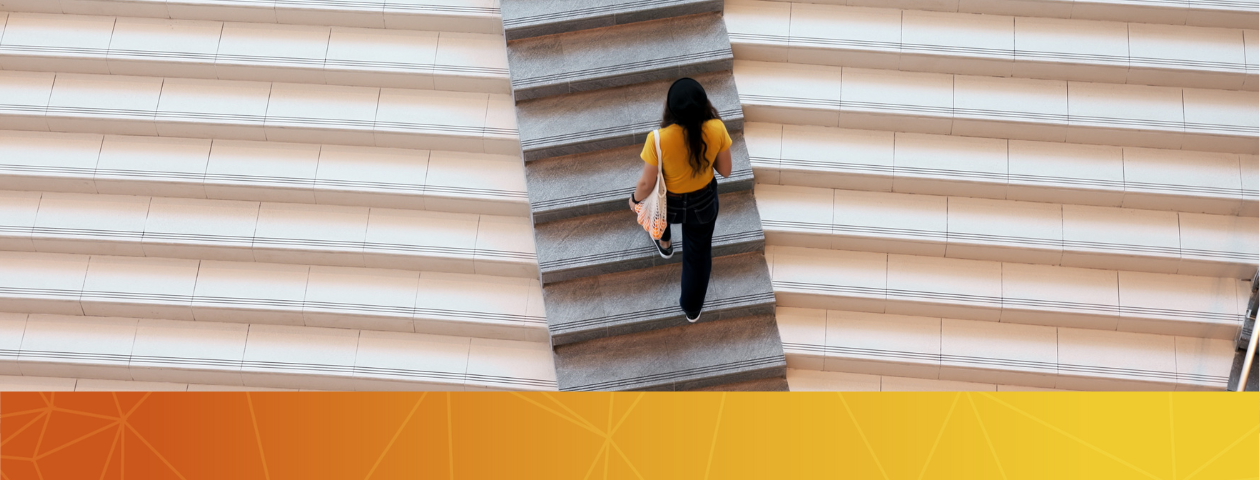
column 617, row 56
column 439, row 16
column 680, row 358
column 764, row 385
column 254, row 355
column 635, row 134
column 756, row 244
column 617, row 200
column 610, row 118
column 521, row 23
column 560, row 337
column 965, row 106
column 555, row 196
column 1036, row 47
column 669, row 72
column 614, row 242
column 597, row 307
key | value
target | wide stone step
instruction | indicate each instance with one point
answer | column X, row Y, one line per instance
column 614, row 242
column 1012, row 231
column 1137, row 53
column 599, row 182
column 999, row 352
column 366, row 57
column 531, row 18
column 966, row 106
column 478, row 16
column 997, row 168
column 687, row 357
column 610, row 118
column 238, row 355
column 640, row 300
column 257, row 111
column 263, row 171
column 617, row 56
column 776, row 384
column 1008, row 292
column 185, row 290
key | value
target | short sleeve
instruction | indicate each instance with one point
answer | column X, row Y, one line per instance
column 649, row 149
column 718, row 129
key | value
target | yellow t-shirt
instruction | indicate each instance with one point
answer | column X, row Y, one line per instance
column 678, row 175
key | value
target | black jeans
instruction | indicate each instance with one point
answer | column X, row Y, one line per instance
column 697, row 212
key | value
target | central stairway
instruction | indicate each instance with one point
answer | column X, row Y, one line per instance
column 589, row 84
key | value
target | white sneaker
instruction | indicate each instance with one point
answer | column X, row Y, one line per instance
column 693, row 320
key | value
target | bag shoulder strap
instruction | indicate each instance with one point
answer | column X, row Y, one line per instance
column 660, row 160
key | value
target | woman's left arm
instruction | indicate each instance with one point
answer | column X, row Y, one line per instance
column 647, row 182
column 723, row 163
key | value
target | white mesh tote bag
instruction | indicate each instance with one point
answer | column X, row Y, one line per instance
column 652, row 213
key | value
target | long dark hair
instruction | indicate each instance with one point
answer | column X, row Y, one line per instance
column 688, row 106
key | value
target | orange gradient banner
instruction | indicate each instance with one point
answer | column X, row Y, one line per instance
column 438, row 435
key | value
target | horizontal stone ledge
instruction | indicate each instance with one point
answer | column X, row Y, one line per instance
column 267, row 356
column 267, row 293
column 1007, row 292
column 525, row 18
column 1002, row 230
column 316, row 114
column 266, row 171
column 616, row 117
column 1013, row 353
column 617, row 56
column 269, row 232
column 962, row 105
column 613, row 242
column 997, row 168
column 597, row 307
column 475, row 17
column 679, row 358
column 1005, row 23
column 579, row 185
column 1124, row 62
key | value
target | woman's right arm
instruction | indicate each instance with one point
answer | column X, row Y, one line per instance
column 723, row 163
column 647, row 182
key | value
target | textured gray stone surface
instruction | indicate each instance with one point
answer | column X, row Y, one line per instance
column 531, row 18
column 646, row 299
column 679, row 358
column 585, row 103
column 617, row 56
column 614, row 242
column 610, row 118
column 762, row 385
column 599, row 182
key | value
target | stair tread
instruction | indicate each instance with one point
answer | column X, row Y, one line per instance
column 775, row 384
column 680, row 358
column 616, row 56
column 610, row 118
column 646, row 299
column 530, row 18
column 598, row 182
column 474, row 16
column 614, row 242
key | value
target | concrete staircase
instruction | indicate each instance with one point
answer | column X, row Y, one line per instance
column 589, row 83
column 331, row 195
